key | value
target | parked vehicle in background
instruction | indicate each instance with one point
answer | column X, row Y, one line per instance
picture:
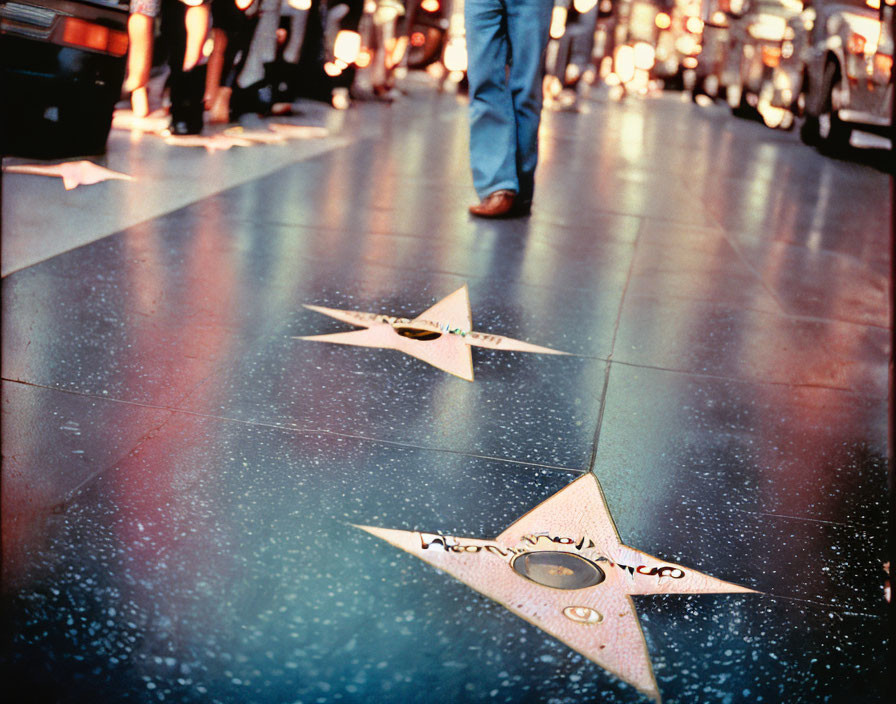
column 717, row 16
column 755, row 45
column 656, row 40
column 454, row 57
column 848, row 67
column 417, row 35
column 62, row 63
column 742, row 46
column 678, row 42
column 427, row 28
column 782, row 96
column 438, row 39
column 382, row 46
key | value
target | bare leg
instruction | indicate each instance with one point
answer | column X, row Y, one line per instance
column 140, row 102
column 196, row 22
column 296, row 36
column 215, row 68
column 140, row 28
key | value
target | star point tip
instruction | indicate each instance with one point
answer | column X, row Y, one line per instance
column 650, row 690
column 366, row 529
column 379, row 532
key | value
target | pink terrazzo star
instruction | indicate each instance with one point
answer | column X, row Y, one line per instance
column 440, row 335
column 72, row 173
column 563, row 568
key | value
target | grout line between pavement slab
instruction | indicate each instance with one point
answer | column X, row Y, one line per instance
column 603, row 395
column 842, row 524
column 309, row 431
column 739, row 252
column 746, row 380
column 845, row 610
column 324, row 147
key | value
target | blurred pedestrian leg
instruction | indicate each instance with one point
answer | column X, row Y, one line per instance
column 233, row 26
column 184, row 27
column 196, row 20
column 263, row 49
column 141, row 25
column 506, row 41
column 253, row 90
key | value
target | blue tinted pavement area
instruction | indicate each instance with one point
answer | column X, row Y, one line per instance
column 182, row 476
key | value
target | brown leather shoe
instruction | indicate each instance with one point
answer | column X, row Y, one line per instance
column 500, row 204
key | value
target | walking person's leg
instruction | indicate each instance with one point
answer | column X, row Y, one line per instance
column 492, row 128
column 528, row 25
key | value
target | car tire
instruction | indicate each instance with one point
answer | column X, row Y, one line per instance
column 833, row 133
column 787, row 121
column 809, row 130
column 733, row 96
column 419, row 57
column 75, row 122
column 699, row 88
column 745, row 111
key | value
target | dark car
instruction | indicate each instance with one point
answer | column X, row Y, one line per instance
column 848, row 65
column 63, row 64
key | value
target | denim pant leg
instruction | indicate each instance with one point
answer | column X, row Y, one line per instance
column 492, row 125
column 528, row 25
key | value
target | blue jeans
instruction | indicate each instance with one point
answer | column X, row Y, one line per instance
column 506, row 41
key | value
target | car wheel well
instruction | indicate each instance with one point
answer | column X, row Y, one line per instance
column 831, row 59
column 804, row 81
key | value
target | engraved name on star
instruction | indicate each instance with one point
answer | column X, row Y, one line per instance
column 441, row 335
column 563, row 568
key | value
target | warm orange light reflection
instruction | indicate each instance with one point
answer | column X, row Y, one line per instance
column 118, row 43
column 663, row 21
column 644, row 56
column 694, row 25
column 856, row 43
column 94, row 36
column 558, row 22
column 347, row 46
column 364, row 58
column 455, row 58
column 771, row 56
column 430, row 5
column 625, row 63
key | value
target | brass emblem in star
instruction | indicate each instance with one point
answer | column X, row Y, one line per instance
column 563, row 568
column 441, row 335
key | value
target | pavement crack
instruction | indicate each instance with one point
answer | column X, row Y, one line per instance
column 606, row 385
column 63, row 505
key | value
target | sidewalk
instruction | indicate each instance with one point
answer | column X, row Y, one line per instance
column 183, row 478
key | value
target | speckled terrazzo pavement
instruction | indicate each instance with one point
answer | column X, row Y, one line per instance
column 181, row 475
